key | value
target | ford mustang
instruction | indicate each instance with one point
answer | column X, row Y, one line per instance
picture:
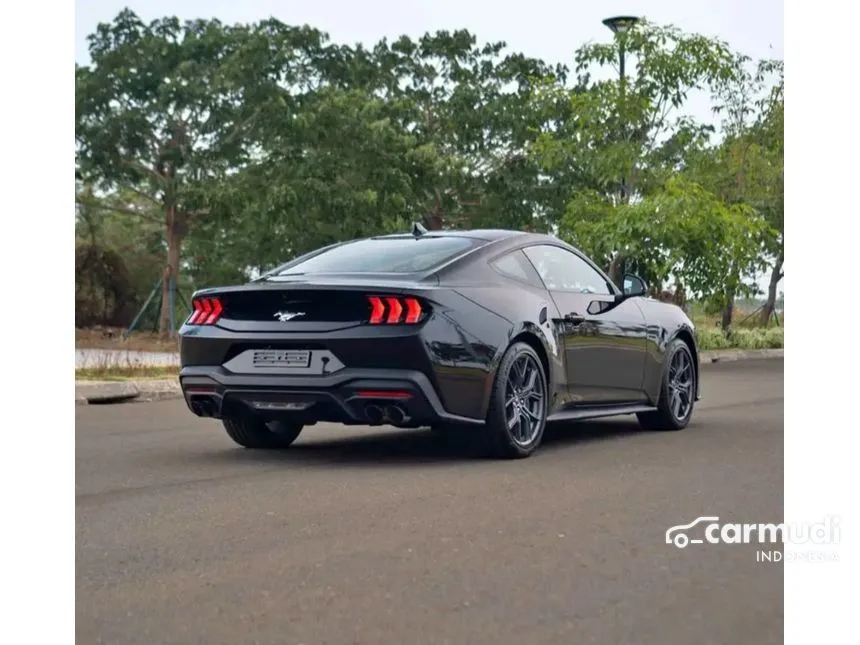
column 485, row 333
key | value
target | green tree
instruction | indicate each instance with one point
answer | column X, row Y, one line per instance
column 471, row 104
column 339, row 167
column 164, row 109
column 746, row 167
column 770, row 133
column 432, row 129
column 681, row 232
column 114, row 263
column 629, row 136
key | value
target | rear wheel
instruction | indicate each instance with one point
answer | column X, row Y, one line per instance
column 516, row 418
column 256, row 433
column 677, row 394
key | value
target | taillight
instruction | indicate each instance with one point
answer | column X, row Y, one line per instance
column 391, row 310
column 207, row 311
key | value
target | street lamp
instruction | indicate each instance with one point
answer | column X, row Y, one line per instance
column 619, row 25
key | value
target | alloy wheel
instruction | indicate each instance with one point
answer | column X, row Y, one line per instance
column 681, row 385
column 525, row 400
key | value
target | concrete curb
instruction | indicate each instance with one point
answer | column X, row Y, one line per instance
column 105, row 391
column 145, row 390
column 732, row 355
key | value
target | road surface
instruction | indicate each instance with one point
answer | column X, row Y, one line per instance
column 366, row 536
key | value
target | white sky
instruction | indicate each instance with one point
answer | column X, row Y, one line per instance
column 547, row 29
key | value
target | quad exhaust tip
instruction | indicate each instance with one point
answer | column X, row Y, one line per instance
column 374, row 414
column 395, row 414
column 203, row 406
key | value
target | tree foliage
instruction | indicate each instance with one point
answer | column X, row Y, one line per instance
column 165, row 110
column 640, row 206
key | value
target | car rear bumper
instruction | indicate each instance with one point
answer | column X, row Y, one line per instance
column 350, row 396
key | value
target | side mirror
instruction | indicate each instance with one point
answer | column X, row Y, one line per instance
column 633, row 285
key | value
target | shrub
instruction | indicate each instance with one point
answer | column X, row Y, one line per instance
column 713, row 338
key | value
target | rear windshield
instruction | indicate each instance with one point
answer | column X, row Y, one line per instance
column 385, row 255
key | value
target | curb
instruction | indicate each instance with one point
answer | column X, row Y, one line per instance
column 146, row 390
column 104, row 392
column 732, row 355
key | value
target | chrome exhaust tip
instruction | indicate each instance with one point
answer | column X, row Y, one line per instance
column 395, row 414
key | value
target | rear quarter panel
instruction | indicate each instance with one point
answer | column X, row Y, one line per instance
column 483, row 323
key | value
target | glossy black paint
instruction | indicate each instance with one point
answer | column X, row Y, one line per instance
column 598, row 350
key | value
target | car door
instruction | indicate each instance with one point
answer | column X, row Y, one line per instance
column 605, row 347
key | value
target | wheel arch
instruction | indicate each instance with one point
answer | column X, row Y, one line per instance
column 686, row 335
column 531, row 335
column 534, row 342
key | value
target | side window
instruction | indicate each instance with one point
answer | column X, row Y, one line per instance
column 562, row 270
column 516, row 266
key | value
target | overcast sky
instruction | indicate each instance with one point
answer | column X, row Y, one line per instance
column 547, row 29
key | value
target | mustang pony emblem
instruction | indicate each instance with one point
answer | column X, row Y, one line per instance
column 284, row 316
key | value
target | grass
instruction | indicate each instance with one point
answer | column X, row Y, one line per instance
column 111, row 338
column 111, row 368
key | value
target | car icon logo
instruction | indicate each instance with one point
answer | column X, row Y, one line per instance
column 284, row 316
column 677, row 534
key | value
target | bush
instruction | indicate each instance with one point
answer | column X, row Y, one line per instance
column 103, row 289
column 709, row 338
column 774, row 337
column 713, row 338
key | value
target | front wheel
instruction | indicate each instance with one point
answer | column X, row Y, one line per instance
column 516, row 417
column 256, row 433
column 677, row 394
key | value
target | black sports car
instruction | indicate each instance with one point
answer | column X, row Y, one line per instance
column 486, row 332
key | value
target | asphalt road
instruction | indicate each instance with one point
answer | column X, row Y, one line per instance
column 363, row 536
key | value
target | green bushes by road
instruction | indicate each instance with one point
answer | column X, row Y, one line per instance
column 712, row 338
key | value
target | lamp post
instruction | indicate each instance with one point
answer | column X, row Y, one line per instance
column 619, row 25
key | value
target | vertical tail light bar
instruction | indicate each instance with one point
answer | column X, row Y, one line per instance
column 394, row 310
column 378, row 310
column 413, row 311
column 389, row 310
column 207, row 311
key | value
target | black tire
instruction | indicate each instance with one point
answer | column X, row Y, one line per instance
column 256, row 433
column 519, row 441
column 665, row 416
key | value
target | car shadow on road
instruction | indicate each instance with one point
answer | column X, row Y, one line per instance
column 421, row 446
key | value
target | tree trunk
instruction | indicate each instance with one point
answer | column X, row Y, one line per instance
column 435, row 219
column 175, row 233
column 614, row 271
column 775, row 276
column 728, row 311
